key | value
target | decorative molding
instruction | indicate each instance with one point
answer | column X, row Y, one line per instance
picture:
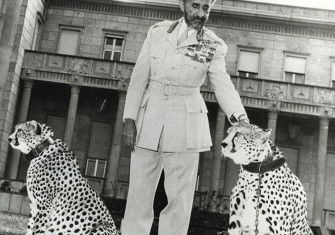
column 259, row 23
column 250, row 48
column 78, row 66
column 296, row 54
column 255, row 93
column 275, row 92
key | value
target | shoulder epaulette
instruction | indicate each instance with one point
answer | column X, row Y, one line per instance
column 173, row 26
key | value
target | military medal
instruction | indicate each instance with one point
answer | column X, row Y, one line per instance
column 202, row 52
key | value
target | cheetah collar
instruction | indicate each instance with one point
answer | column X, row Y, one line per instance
column 42, row 146
column 268, row 165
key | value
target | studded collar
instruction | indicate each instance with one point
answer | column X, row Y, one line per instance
column 267, row 165
column 42, row 146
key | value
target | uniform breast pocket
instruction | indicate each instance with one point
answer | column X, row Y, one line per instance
column 198, row 133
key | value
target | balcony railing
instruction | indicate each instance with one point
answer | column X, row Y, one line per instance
column 256, row 93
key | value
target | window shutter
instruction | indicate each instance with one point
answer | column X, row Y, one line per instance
column 248, row 61
column 295, row 64
column 68, row 42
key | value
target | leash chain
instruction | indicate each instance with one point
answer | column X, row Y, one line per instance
column 258, row 194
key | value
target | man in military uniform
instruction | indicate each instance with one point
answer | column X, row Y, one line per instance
column 165, row 116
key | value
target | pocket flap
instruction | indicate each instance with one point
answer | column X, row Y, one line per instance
column 195, row 106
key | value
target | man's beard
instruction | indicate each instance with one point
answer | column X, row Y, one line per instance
column 194, row 22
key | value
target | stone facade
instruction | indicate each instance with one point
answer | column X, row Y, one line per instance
column 273, row 31
column 28, row 19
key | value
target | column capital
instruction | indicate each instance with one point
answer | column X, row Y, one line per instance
column 75, row 89
column 326, row 112
column 28, row 83
column 122, row 95
column 324, row 122
column 274, row 105
column 324, row 118
column 273, row 114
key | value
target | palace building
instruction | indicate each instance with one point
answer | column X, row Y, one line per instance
column 67, row 63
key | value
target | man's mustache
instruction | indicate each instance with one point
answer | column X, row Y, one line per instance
column 201, row 19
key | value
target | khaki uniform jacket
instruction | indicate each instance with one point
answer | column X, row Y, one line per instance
column 178, row 122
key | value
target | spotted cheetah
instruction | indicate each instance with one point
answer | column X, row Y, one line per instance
column 281, row 206
column 61, row 201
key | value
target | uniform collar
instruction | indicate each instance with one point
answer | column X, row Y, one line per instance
column 183, row 27
column 173, row 33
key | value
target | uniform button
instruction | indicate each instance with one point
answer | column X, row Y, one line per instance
column 165, row 97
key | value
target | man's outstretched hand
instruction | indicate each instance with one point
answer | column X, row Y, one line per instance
column 129, row 133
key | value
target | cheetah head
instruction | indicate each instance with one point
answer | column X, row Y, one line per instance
column 29, row 135
column 246, row 144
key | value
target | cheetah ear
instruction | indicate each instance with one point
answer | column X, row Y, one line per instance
column 38, row 129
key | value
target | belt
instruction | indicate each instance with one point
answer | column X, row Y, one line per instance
column 170, row 90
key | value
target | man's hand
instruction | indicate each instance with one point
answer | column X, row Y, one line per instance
column 129, row 133
column 242, row 120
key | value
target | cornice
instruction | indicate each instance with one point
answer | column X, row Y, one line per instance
column 224, row 19
column 249, row 8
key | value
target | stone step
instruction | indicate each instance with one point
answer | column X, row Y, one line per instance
column 11, row 224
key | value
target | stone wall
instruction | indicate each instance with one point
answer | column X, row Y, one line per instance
column 23, row 40
column 93, row 26
column 273, row 37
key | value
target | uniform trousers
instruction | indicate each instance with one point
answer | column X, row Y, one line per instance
column 180, row 171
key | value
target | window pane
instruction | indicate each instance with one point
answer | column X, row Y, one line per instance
column 333, row 70
column 109, row 41
column 248, row 61
column 113, row 44
column 253, row 75
column 68, row 42
column 119, row 42
column 107, row 55
column 90, row 167
column 100, row 140
column 299, row 78
column 117, row 56
column 288, row 77
column 242, row 73
column 101, row 169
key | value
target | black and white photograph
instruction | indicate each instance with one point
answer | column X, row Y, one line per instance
column 167, row 117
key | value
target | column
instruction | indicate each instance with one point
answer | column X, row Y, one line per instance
column 71, row 115
column 22, row 117
column 320, row 172
column 217, row 152
column 11, row 20
column 114, row 157
column 272, row 124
